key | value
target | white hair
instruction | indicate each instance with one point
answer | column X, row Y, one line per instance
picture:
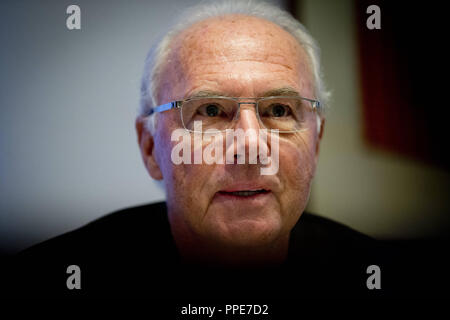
column 160, row 50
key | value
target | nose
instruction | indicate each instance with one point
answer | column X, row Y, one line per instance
column 248, row 125
column 247, row 117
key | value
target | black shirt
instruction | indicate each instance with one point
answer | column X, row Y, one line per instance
column 131, row 253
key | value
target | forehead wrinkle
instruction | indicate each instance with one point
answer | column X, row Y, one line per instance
column 263, row 53
column 287, row 66
column 234, row 84
column 244, row 72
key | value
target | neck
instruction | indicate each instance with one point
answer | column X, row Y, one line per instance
column 197, row 250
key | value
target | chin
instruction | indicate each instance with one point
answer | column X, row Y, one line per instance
column 248, row 233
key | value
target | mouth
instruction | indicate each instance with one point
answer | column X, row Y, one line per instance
column 244, row 193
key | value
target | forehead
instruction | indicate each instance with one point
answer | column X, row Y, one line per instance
column 235, row 49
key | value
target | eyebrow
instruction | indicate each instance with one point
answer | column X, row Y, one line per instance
column 206, row 94
column 283, row 91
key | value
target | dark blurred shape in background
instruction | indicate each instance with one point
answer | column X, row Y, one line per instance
column 405, row 112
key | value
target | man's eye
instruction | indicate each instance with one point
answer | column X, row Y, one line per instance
column 210, row 110
column 279, row 110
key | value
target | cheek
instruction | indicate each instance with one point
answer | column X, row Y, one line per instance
column 297, row 165
column 184, row 181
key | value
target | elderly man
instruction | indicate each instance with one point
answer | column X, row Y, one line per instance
column 227, row 68
column 223, row 70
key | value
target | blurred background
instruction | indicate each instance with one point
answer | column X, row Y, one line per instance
column 68, row 151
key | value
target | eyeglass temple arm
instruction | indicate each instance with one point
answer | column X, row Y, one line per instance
column 316, row 103
column 165, row 107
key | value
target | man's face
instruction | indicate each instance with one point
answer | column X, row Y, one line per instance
column 239, row 57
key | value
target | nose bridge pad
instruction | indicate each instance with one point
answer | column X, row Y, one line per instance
column 238, row 111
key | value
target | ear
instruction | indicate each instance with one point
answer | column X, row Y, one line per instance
column 321, row 122
column 147, row 147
